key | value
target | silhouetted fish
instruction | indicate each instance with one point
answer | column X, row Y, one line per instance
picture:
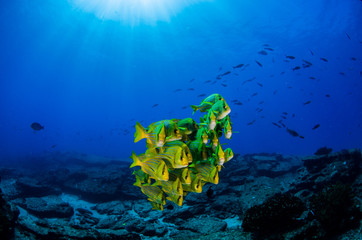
column 261, row 85
column 316, row 126
column 292, row 132
column 290, row 57
column 260, row 65
column 225, row 73
column 191, row 89
column 313, row 78
column 249, row 80
column 254, row 94
column 155, row 105
column 184, row 107
column 251, row 123
column 296, row 68
column 348, row 36
column 192, row 80
column 353, row 59
column 324, row 59
column 285, row 113
column 202, row 95
column 177, row 90
column 275, row 124
column 307, row 62
column 210, row 192
column 224, row 85
column 311, row 52
column 36, row 126
column 269, row 49
column 327, row 95
column 284, row 117
column 307, row 102
column 207, row 81
column 239, row 65
column 262, row 52
column 341, row 73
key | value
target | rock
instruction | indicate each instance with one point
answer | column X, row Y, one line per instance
column 46, row 207
column 110, row 208
column 154, row 229
column 204, row 225
column 8, row 218
column 136, row 225
column 108, row 222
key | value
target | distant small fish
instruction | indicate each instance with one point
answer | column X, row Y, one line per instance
column 191, row 89
column 225, row 73
column 290, row 57
column 307, row 102
column 302, row 137
column 275, row 92
column 341, row 73
column 307, row 62
column 192, row 80
column 53, row 146
column 266, row 45
column 224, row 85
column 293, row 115
column 36, row 126
column 218, row 77
column 286, row 60
column 324, row 59
column 177, row 90
column 353, row 59
column 261, row 102
column 292, row 132
column 239, row 65
column 251, row 123
column 282, row 124
column 261, row 85
column 275, row 124
column 207, row 81
column 202, row 95
column 259, row 109
column 262, row 52
column 313, row 78
column 269, row 49
column 254, row 94
column 260, row 65
column 360, row 73
column 155, row 105
column 316, row 126
column 348, row 36
column 327, row 95
column 285, row 113
column 284, row 117
column 311, row 52
column 249, row 80
column 237, row 102
column 296, row 68
column 184, row 107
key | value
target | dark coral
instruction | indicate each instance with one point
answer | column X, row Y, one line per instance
column 323, row 151
column 276, row 215
column 334, row 207
column 8, row 217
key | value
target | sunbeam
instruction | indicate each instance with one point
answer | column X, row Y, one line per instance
column 135, row 12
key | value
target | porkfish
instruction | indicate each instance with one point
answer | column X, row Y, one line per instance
column 155, row 168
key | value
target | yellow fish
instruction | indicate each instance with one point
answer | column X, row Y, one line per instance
column 202, row 135
column 207, row 103
column 154, row 194
column 184, row 147
column 228, row 154
column 183, row 174
column 220, row 155
column 220, row 109
column 195, row 186
column 155, row 136
column 155, row 168
column 208, row 172
column 175, row 157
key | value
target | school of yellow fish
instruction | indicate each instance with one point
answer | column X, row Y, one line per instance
column 182, row 155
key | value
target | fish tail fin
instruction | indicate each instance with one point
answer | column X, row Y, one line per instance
column 138, row 182
column 136, row 160
column 140, row 132
column 195, row 108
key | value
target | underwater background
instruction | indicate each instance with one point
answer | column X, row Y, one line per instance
column 87, row 74
column 76, row 76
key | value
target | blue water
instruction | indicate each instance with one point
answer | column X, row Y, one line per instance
column 88, row 78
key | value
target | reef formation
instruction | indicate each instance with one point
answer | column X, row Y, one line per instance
column 183, row 155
